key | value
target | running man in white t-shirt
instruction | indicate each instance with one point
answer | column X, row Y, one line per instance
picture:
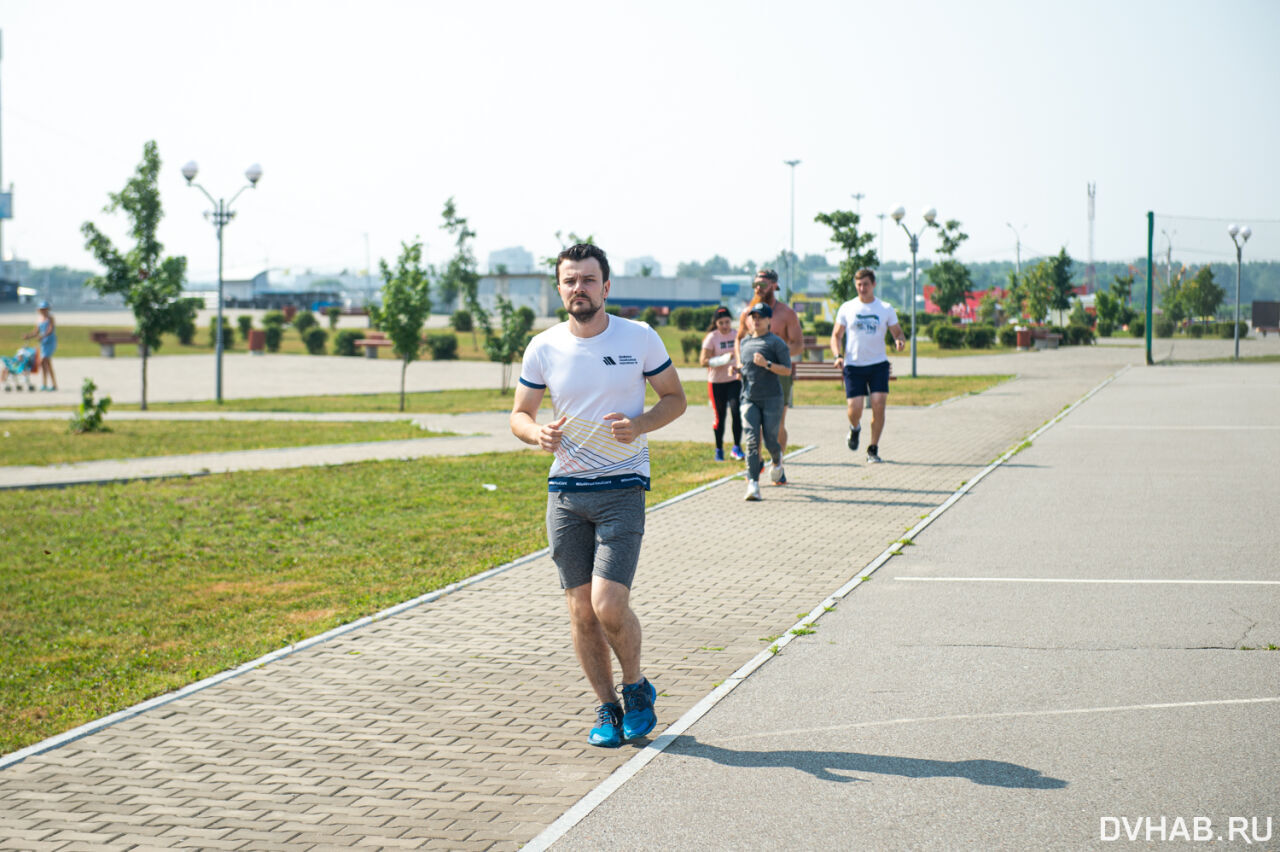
column 859, row 331
column 595, row 366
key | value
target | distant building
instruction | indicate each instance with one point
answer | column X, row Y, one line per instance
column 635, row 266
column 517, row 260
column 537, row 291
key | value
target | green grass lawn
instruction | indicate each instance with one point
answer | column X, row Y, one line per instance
column 42, row 442
column 112, row 594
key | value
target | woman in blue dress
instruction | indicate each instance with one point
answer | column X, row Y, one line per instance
column 48, row 344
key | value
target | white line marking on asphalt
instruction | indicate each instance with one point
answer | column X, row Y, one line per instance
column 1015, row 714
column 1148, row 428
column 1087, row 580
column 606, row 788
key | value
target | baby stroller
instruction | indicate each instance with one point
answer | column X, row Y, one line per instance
column 22, row 364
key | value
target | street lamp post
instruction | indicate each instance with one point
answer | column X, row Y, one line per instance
column 1244, row 234
column 1017, row 248
column 929, row 216
column 220, row 216
column 791, row 259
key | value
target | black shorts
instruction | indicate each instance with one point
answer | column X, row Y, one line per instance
column 859, row 381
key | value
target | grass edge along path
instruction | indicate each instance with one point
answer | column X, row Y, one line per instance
column 123, row 592
column 46, row 442
column 924, row 390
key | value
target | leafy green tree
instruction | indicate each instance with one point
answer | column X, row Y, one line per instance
column 950, row 278
column 150, row 283
column 460, row 276
column 406, row 304
column 1037, row 290
column 509, row 345
column 1171, row 299
column 1060, row 280
column 1201, row 295
column 1108, row 307
column 844, row 233
column 646, row 271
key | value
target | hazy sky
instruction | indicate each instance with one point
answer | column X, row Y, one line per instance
column 659, row 127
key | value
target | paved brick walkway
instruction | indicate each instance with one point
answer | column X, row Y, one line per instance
column 461, row 724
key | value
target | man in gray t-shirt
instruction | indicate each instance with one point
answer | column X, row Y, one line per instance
column 764, row 357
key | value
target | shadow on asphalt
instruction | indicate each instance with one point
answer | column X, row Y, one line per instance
column 824, row 764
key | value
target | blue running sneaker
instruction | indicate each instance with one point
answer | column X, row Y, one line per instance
column 639, row 719
column 719, row 453
column 737, row 453
column 606, row 734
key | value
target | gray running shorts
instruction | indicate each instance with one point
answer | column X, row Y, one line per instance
column 595, row 533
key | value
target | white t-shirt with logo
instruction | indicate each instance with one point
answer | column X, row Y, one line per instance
column 589, row 378
column 864, row 328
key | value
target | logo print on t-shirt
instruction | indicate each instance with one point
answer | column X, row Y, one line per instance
column 608, row 359
column 866, row 323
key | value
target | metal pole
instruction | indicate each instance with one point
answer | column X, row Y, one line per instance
column 1237, row 328
column 220, row 217
column 791, row 262
column 1151, row 273
column 915, row 244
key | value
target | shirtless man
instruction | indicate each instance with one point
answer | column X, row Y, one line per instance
column 786, row 325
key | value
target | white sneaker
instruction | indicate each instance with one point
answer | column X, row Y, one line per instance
column 778, row 475
column 753, row 490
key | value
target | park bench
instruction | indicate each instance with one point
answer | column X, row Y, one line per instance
column 817, row 370
column 108, row 340
column 372, row 342
column 1046, row 341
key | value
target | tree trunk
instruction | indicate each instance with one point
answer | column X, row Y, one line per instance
column 404, row 367
column 143, row 352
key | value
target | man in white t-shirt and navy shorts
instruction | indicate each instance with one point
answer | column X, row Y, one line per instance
column 859, row 331
column 596, row 367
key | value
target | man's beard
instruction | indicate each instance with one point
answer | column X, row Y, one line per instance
column 583, row 311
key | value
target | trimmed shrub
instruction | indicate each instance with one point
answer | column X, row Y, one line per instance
column 228, row 333
column 1163, row 327
column 443, row 346
column 333, row 312
column 702, row 316
column 274, row 334
column 947, row 336
column 562, row 314
column 271, row 318
column 314, row 339
column 246, row 325
column 1226, row 330
column 979, row 336
column 345, row 342
column 649, row 316
column 1079, row 335
column 186, row 330
column 1105, row 329
column 1195, row 330
column 691, row 344
column 1008, row 336
column 613, row 311
column 1138, row 327
column 823, row 328
column 682, row 318
column 304, row 320
column 462, row 321
column 526, row 314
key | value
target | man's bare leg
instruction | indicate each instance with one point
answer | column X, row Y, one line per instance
column 878, row 401
column 602, row 622
column 854, row 405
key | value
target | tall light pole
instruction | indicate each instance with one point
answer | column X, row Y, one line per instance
column 220, row 216
column 929, row 216
column 857, row 197
column 791, row 259
column 880, row 254
column 1244, row 234
column 1017, row 247
column 1168, row 262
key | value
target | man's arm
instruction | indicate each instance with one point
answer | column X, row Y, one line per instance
column 670, row 405
column 794, row 335
column 524, row 420
column 899, row 339
column 837, row 341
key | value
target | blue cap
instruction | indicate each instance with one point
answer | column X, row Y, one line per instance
column 761, row 309
column 44, row 305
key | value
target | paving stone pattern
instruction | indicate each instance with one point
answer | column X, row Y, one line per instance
column 461, row 724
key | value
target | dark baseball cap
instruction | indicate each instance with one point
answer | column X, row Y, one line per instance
column 722, row 312
column 760, row 309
